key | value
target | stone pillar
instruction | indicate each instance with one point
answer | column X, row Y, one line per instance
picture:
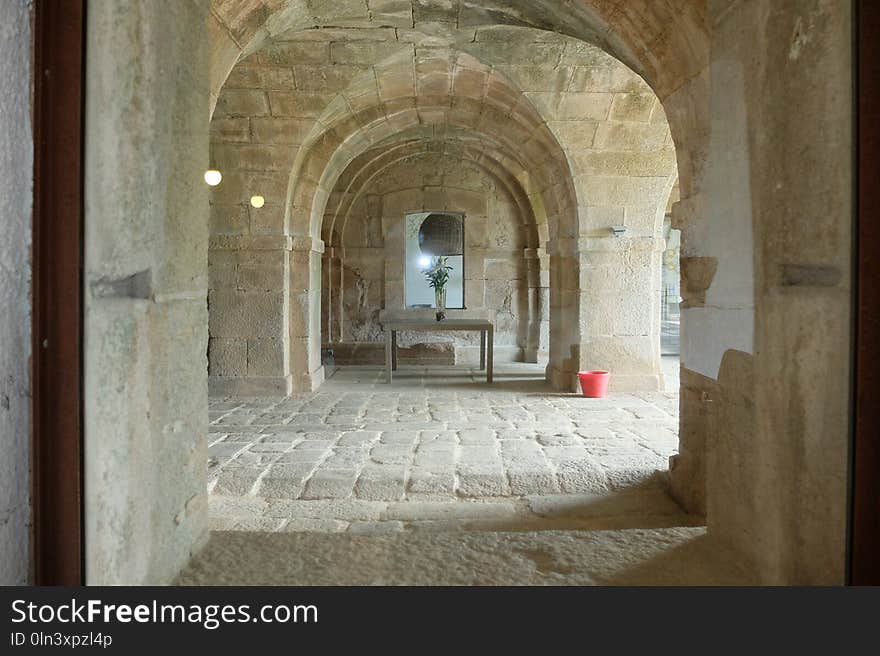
column 331, row 296
column 619, row 288
column 538, row 281
column 605, row 311
column 306, row 369
column 145, row 400
column 248, row 309
column 564, row 316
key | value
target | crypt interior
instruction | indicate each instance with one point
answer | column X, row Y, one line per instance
column 641, row 188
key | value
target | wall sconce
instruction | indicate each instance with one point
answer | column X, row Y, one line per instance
column 213, row 177
column 618, row 231
column 257, row 201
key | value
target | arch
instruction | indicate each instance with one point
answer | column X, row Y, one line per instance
column 448, row 88
column 533, row 330
column 460, row 92
column 667, row 44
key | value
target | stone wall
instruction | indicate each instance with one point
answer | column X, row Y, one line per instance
column 777, row 469
column 146, row 242
column 16, row 174
column 369, row 254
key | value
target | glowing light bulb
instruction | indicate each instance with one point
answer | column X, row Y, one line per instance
column 257, row 201
column 213, row 177
column 424, row 262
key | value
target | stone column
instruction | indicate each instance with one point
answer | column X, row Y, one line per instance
column 605, row 311
column 564, row 312
column 619, row 290
column 145, row 280
column 331, row 296
column 248, row 301
column 306, row 369
column 538, row 280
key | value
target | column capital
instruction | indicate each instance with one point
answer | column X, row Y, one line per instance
column 307, row 243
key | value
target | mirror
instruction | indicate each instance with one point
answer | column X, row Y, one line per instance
column 431, row 239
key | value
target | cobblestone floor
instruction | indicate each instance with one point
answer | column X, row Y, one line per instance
column 440, row 450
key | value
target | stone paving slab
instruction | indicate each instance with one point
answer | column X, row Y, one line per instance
column 419, row 441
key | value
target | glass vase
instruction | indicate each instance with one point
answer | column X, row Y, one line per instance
column 440, row 303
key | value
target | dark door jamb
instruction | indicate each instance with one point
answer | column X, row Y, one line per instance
column 864, row 538
column 57, row 364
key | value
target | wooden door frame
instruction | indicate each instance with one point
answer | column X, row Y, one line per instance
column 864, row 535
column 57, row 363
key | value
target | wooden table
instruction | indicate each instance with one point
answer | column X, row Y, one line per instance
column 487, row 338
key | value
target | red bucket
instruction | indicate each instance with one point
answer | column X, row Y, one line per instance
column 594, row 384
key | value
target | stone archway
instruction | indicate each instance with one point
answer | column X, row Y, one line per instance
column 621, row 327
column 455, row 172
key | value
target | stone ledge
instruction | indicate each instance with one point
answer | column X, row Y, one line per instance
column 245, row 243
column 227, row 386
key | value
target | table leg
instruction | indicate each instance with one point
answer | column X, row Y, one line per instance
column 394, row 350
column 490, row 354
column 482, row 350
column 388, row 356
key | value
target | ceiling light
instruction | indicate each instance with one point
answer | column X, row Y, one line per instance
column 257, row 201
column 213, row 177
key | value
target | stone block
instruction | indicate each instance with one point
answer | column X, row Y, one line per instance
column 325, row 79
column 267, row 220
column 309, row 525
column 330, row 484
column 467, row 201
column 391, row 454
column 227, row 357
column 469, row 83
column 221, row 276
column 483, row 436
column 287, row 53
column 531, row 480
column 397, row 85
column 381, row 482
column 584, row 106
column 237, row 481
column 229, row 219
column 240, row 314
column 632, row 106
column 478, row 480
column 361, row 51
column 265, row 357
column 256, row 277
column 391, row 12
column 238, row 102
column 655, row 163
column 433, row 480
column 358, row 438
column 620, row 135
column 338, row 11
column 502, row 270
column 283, row 481
column 298, row 104
column 259, row 77
column 581, row 475
column 581, row 53
column 230, row 130
column 284, row 130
